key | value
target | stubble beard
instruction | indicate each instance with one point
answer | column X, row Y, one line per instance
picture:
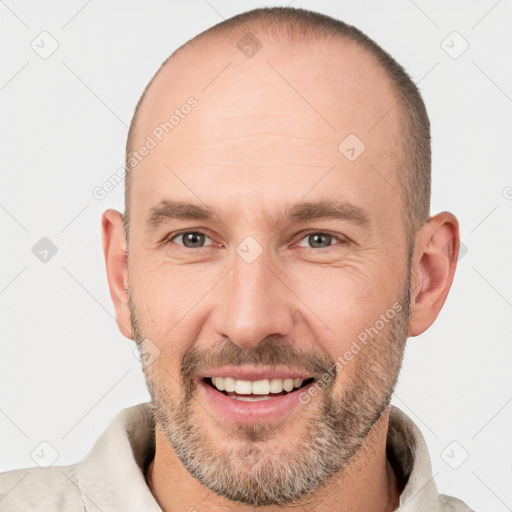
column 243, row 470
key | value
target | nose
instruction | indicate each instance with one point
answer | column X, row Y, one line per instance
column 253, row 303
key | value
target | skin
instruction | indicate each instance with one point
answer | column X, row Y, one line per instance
column 253, row 147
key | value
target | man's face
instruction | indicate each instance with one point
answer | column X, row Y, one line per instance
column 254, row 293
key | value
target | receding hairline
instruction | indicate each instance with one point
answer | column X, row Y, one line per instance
column 279, row 24
column 291, row 26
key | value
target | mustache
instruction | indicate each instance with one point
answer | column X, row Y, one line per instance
column 273, row 351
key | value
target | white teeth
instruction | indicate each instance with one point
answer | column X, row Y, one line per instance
column 276, row 385
column 218, row 382
column 261, row 387
column 229, row 383
column 243, row 387
column 288, row 384
column 257, row 387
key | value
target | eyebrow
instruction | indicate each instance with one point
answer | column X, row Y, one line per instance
column 299, row 212
column 177, row 210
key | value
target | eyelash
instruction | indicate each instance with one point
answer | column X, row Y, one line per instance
column 341, row 239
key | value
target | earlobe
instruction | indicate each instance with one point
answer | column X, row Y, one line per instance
column 433, row 268
column 116, row 262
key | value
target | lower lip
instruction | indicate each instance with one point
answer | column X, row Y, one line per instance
column 238, row 411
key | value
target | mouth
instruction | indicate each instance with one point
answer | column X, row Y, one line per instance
column 256, row 390
column 243, row 396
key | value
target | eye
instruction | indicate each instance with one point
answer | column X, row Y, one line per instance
column 320, row 240
column 190, row 239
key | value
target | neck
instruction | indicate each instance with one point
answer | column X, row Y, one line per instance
column 366, row 483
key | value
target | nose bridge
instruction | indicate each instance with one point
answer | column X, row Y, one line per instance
column 253, row 302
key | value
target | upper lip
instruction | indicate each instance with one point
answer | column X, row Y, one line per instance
column 254, row 373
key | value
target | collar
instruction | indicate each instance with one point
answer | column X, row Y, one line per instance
column 111, row 476
column 408, row 454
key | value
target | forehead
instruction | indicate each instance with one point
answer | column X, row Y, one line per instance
column 274, row 122
column 333, row 82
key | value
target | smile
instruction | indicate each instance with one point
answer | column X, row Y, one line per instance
column 250, row 395
column 255, row 390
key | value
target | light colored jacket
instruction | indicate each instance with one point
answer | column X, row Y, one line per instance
column 111, row 477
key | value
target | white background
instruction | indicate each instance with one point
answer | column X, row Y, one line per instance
column 65, row 369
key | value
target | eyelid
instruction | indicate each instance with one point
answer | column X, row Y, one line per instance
column 341, row 238
column 303, row 234
column 172, row 236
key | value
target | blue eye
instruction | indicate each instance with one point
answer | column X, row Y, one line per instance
column 191, row 239
column 312, row 240
column 319, row 240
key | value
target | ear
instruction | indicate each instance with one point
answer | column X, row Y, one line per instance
column 116, row 261
column 433, row 267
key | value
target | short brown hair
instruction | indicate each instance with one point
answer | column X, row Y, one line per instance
column 288, row 25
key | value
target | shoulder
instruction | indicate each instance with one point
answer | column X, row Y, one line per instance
column 110, row 477
column 36, row 489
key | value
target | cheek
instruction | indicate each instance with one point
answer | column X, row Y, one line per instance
column 169, row 301
column 340, row 303
column 167, row 293
column 151, row 297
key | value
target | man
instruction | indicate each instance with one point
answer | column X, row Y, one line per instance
column 275, row 253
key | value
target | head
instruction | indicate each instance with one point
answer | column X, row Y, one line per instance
column 277, row 227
